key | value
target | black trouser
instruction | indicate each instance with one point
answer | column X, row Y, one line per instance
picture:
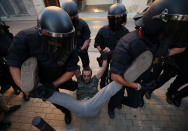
column 177, row 83
column 183, row 92
column 134, row 98
column 69, row 85
column 6, row 79
column 106, row 77
column 116, row 100
column 84, row 58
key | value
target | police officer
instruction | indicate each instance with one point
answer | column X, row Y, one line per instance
column 158, row 27
column 169, row 69
column 108, row 36
column 173, row 95
column 5, row 78
column 82, row 32
column 52, row 43
column 106, row 40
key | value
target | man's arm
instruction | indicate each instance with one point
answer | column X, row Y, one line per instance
column 65, row 77
column 118, row 78
column 16, row 75
column 175, row 51
column 77, row 73
column 101, row 70
column 86, row 44
column 99, row 48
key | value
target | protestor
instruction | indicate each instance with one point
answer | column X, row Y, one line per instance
column 82, row 32
column 87, row 85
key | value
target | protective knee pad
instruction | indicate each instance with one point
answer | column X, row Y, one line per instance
column 139, row 66
column 29, row 74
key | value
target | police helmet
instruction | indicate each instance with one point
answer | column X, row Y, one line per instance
column 166, row 16
column 72, row 9
column 57, row 32
column 117, row 15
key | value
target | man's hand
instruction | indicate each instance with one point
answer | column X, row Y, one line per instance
column 106, row 50
column 105, row 55
column 150, row 85
column 43, row 91
column 80, row 51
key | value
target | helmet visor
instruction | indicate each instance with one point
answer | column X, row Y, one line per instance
column 59, row 48
column 115, row 22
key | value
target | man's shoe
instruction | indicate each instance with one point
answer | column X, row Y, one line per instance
column 141, row 103
column 17, row 91
column 68, row 118
column 14, row 108
column 169, row 98
column 119, row 106
column 111, row 114
column 148, row 94
column 26, row 97
column 5, row 124
column 177, row 100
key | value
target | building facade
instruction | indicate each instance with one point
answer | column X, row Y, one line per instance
column 18, row 8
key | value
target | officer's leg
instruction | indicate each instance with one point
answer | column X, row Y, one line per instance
column 104, row 78
column 177, row 83
column 84, row 58
column 4, row 88
column 134, row 98
column 179, row 95
column 166, row 75
column 115, row 101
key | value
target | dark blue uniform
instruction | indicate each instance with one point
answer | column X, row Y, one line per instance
column 127, row 50
column 82, row 33
column 5, row 78
column 108, row 38
column 182, row 76
column 28, row 43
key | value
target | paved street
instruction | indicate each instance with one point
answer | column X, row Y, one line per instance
column 156, row 115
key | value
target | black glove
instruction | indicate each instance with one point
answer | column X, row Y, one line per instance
column 105, row 55
column 99, row 60
column 150, row 85
column 80, row 51
column 43, row 91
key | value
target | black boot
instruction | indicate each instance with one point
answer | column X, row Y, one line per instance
column 170, row 97
column 68, row 118
column 177, row 99
column 5, row 125
column 13, row 108
column 148, row 94
column 26, row 97
column 111, row 114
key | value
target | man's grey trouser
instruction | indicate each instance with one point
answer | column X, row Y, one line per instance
column 86, row 108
